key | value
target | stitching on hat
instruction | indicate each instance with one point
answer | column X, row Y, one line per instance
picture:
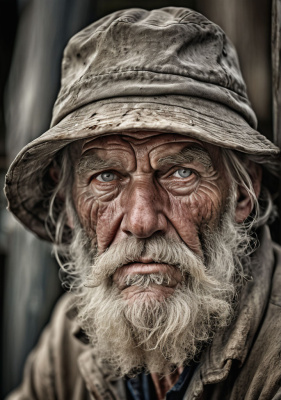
column 126, row 20
column 180, row 22
column 183, row 22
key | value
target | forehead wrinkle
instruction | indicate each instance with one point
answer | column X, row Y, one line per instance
column 188, row 154
column 94, row 163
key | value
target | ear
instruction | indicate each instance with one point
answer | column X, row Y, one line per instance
column 244, row 204
column 54, row 173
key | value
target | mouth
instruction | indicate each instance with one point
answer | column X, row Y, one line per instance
column 144, row 267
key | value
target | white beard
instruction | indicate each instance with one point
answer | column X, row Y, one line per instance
column 157, row 336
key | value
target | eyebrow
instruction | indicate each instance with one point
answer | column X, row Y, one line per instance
column 94, row 163
column 188, row 154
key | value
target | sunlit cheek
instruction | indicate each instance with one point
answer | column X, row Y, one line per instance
column 183, row 216
column 190, row 214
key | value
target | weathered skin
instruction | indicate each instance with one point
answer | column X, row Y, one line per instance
column 142, row 198
column 145, row 196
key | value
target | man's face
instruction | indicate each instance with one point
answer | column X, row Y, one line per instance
column 144, row 185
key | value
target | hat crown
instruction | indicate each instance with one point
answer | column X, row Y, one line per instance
column 140, row 52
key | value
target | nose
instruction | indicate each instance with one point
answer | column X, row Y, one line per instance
column 143, row 211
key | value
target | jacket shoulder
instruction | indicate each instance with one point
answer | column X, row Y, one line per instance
column 276, row 283
column 51, row 370
column 262, row 366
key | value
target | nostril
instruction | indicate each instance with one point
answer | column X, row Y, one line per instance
column 160, row 232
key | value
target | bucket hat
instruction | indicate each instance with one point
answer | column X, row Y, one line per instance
column 169, row 70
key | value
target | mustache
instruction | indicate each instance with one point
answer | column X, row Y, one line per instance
column 158, row 248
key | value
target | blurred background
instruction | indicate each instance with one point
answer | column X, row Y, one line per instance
column 33, row 34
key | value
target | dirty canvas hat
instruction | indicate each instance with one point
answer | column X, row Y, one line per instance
column 168, row 70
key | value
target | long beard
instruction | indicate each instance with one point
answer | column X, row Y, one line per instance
column 158, row 336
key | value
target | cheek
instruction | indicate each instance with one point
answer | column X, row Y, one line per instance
column 108, row 221
column 99, row 217
column 191, row 214
column 87, row 207
column 206, row 205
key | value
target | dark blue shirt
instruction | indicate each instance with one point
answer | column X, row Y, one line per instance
column 141, row 387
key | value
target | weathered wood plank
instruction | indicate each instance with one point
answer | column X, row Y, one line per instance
column 247, row 23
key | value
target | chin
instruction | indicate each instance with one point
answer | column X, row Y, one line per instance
column 150, row 294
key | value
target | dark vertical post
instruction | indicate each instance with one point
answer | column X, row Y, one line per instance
column 32, row 284
column 276, row 87
column 276, row 82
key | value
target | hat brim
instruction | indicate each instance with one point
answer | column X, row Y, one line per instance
column 200, row 119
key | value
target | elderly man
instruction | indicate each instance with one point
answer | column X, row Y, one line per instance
column 149, row 185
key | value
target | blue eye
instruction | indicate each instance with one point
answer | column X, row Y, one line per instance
column 182, row 173
column 106, row 176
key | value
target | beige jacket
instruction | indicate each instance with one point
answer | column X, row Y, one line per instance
column 243, row 363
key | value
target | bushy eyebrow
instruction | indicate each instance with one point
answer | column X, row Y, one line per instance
column 94, row 163
column 188, row 154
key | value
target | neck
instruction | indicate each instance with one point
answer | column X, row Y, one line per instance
column 163, row 384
